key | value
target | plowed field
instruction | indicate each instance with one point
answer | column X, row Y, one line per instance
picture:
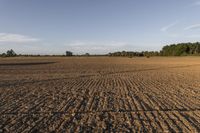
column 99, row 94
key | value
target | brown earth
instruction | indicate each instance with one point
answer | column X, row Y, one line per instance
column 100, row 94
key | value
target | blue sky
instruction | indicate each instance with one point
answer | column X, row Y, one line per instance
column 96, row 26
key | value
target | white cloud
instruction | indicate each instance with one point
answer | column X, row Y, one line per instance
column 82, row 47
column 17, row 38
column 195, row 26
column 167, row 27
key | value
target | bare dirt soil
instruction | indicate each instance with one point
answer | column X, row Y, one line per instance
column 157, row 94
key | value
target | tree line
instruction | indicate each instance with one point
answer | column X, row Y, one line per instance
column 9, row 53
column 135, row 54
column 180, row 49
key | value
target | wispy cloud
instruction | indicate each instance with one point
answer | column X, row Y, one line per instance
column 17, row 38
column 97, row 47
column 195, row 26
column 167, row 27
column 197, row 3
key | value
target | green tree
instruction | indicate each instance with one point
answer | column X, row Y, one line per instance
column 87, row 54
column 69, row 53
column 11, row 53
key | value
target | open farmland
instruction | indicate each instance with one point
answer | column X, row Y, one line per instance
column 100, row 94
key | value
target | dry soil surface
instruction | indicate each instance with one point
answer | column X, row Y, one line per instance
column 98, row 94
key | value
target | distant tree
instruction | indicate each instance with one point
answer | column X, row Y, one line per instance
column 197, row 48
column 87, row 54
column 69, row 53
column 109, row 54
column 3, row 55
column 11, row 53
